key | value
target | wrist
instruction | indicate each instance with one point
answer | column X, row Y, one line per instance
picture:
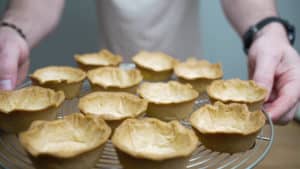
column 11, row 37
column 273, row 30
column 14, row 27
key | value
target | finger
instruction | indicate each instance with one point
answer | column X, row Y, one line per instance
column 8, row 69
column 273, row 95
column 288, row 116
column 264, row 73
column 287, row 99
column 22, row 72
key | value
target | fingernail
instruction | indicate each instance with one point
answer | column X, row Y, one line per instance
column 6, row 85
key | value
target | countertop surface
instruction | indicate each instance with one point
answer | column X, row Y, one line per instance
column 285, row 152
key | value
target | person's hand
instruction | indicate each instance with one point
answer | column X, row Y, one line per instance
column 275, row 64
column 14, row 59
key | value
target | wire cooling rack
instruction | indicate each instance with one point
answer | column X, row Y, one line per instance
column 13, row 156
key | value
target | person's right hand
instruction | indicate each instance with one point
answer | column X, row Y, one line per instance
column 14, row 58
column 274, row 64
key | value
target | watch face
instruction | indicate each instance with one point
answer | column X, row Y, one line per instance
column 291, row 32
column 291, row 38
column 254, row 30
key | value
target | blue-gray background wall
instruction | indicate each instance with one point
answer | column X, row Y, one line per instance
column 77, row 33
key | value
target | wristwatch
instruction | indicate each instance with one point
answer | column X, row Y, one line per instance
column 249, row 36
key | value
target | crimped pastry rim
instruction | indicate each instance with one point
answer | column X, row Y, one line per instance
column 59, row 101
column 157, row 157
column 79, row 58
column 163, row 55
column 217, row 67
column 137, row 81
column 142, row 87
column 36, row 75
column 142, row 103
column 260, row 117
column 25, row 140
column 210, row 91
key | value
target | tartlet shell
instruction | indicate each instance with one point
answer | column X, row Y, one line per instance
column 146, row 88
column 193, row 65
column 18, row 117
column 168, row 110
column 128, row 126
column 134, row 76
column 131, row 159
column 95, row 98
column 84, row 157
column 253, row 104
column 151, row 73
column 198, row 79
column 208, row 121
column 71, row 86
column 110, row 58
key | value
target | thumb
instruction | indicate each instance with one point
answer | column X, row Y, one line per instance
column 8, row 69
column 264, row 73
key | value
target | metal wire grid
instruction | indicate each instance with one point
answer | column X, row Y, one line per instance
column 13, row 156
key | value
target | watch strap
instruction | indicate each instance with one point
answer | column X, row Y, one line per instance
column 249, row 36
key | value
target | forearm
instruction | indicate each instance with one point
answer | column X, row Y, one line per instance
column 36, row 18
column 244, row 13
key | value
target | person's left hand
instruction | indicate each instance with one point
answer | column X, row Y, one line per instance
column 274, row 64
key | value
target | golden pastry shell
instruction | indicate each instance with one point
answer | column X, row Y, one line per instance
column 104, row 57
column 129, row 78
column 41, row 132
column 153, row 61
column 134, row 105
column 193, row 69
column 154, row 92
column 217, row 88
column 30, row 99
column 58, row 74
column 173, row 129
column 231, row 118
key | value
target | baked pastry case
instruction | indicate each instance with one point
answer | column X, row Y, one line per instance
column 13, row 155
